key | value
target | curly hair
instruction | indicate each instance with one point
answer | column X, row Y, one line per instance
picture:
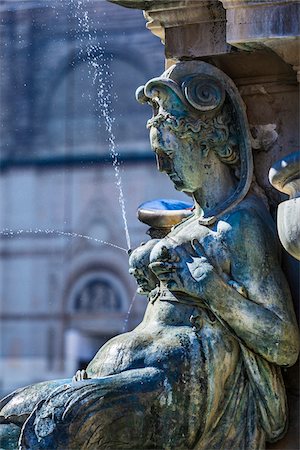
column 217, row 133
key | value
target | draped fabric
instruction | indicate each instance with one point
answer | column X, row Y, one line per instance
column 269, row 392
column 209, row 393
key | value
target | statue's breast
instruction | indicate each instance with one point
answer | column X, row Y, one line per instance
column 180, row 240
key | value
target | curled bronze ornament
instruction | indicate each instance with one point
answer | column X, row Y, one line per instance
column 140, row 95
column 204, row 93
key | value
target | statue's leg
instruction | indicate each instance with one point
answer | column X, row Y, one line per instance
column 121, row 411
column 16, row 407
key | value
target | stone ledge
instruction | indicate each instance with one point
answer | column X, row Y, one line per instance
column 273, row 24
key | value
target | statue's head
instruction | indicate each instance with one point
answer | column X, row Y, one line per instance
column 197, row 113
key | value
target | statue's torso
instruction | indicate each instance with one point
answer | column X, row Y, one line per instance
column 179, row 337
column 201, row 359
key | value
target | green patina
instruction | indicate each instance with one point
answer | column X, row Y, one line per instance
column 202, row 370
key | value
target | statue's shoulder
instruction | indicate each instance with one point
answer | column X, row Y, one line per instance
column 248, row 224
column 250, row 212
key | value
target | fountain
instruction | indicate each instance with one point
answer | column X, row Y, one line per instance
column 285, row 176
column 202, row 368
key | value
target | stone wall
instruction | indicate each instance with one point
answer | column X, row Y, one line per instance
column 56, row 174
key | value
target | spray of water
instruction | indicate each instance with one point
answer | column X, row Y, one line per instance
column 12, row 233
column 99, row 71
column 128, row 313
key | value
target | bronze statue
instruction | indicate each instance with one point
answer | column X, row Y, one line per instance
column 201, row 371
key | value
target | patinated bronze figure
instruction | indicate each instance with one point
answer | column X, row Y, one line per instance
column 202, row 369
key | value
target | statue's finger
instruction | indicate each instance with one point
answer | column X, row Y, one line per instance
column 76, row 377
column 172, row 285
column 198, row 247
column 84, row 375
column 159, row 267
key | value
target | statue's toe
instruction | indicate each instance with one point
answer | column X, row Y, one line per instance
column 80, row 375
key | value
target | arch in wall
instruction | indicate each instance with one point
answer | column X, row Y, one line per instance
column 97, row 301
column 96, row 306
column 72, row 111
column 97, row 292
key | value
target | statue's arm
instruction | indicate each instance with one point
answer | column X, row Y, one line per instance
column 264, row 320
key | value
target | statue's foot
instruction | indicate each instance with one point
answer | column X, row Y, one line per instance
column 80, row 375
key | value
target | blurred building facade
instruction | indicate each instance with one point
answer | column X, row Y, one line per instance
column 62, row 297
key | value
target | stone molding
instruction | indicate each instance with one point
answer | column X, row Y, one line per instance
column 245, row 24
column 252, row 21
column 273, row 24
column 285, row 177
column 169, row 15
column 185, row 26
column 248, row 3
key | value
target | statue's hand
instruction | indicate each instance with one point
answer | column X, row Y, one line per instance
column 185, row 268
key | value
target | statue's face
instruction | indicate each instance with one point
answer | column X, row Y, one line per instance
column 177, row 158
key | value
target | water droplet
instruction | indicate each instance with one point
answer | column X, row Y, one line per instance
column 12, row 233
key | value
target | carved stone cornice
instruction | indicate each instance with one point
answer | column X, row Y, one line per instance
column 188, row 28
column 191, row 28
column 273, row 24
column 245, row 3
column 174, row 14
column 251, row 21
column 150, row 4
column 197, row 28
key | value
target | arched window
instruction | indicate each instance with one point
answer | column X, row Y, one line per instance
column 72, row 115
column 97, row 293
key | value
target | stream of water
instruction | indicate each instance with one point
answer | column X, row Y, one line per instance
column 101, row 77
column 125, row 325
column 12, row 233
